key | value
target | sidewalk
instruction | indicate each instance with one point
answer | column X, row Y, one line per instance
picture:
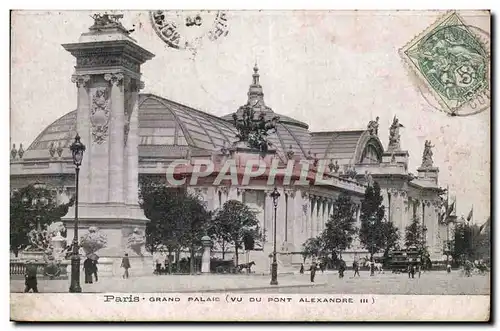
column 174, row 284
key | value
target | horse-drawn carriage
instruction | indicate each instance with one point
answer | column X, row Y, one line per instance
column 228, row 266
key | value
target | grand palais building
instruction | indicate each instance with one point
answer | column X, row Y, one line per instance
column 159, row 131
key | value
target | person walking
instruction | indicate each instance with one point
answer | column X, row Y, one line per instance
column 355, row 266
column 30, row 281
column 448, row 268
column 372, row 267
column 94, row 270
column 342, row 267
column 313, row 270
column 125, row 265
column 158, row 267
column 301, row 271
column 88, row 267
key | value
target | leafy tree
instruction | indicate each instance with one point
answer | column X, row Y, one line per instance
column 32, row 208
column 390, row 237
column 194, row 219
column 466, row 241
column 216, row 231
column 177, row 219
column 372, row 233
column 414, row 234
column 340, row 230
column 237, row 222
column 313, row 247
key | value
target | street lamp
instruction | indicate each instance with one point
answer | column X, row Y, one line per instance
column 77, row 149
column 37, row 204
column 274, row 266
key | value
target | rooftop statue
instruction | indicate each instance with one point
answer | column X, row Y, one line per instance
column 427, row 155
column 394, row 136
column 106, row 21
column 373, row 127
column 254, row 132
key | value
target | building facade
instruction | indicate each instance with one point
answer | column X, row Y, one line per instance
column 130, row 135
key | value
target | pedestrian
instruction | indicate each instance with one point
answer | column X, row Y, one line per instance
column 355, row 266
column 411, row 270
column 342, row 267
column 372, row 267
column 94, row 270
column 30, row 281
column 125, row 265
column 313, row 271
column 419, row 270
column 448, row 268
column 88, row 267
column 158, row 267
column 322, row 266
column 301, row 271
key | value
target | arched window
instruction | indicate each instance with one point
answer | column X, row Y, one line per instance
column 370, row 155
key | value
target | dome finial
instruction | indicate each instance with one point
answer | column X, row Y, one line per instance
column 256, row 75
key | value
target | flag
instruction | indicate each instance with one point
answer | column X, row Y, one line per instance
column 469, row 217
column 484, row 225
column 450, row 209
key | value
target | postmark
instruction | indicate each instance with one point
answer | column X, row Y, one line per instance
column 452, row 61
column 186, row 30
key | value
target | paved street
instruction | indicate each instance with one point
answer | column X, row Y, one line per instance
column 437, row 283
column 434, row 283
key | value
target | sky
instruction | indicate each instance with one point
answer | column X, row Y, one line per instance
column 332, row 70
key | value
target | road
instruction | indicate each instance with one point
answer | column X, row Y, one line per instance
column 431, row 283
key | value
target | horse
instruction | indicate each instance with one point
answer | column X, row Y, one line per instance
column 376, row 266
column 247, row 266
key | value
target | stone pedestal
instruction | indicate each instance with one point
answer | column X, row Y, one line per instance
column 57, row 244
column 205, row 260
column 107, row 76
column 429, row 174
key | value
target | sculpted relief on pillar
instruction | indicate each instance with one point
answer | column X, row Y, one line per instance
column 99, row 114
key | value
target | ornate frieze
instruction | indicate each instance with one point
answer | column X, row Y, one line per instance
column 80, row 80
column 99, row 114
column 99, row 60
column 240, row 190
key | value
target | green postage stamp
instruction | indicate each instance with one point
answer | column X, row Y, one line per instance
column 452, row 59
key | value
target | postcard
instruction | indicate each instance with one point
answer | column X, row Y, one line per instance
column 224, row 165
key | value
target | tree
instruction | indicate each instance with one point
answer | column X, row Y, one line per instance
column 194, row 218
column 32, row 208
column 312, row 247
column 177, row 219
column 414, row 235
column 340, row 230
column 390, row 237
column 237, row 222
column 375, row 234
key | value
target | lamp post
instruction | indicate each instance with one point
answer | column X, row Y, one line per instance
column 77, row 149
column 274, row 266
column 37, row 204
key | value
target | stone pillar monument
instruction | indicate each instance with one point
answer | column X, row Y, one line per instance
column 205, row 260
column 107, row 75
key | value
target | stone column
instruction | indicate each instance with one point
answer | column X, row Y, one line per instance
column 280, row 221
column 116, row 138
column 268, row 217
column 205, row 260
column 233, row 194
column 291, row 218
column 131, row 136
column 314, row 213
column 83, row 129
